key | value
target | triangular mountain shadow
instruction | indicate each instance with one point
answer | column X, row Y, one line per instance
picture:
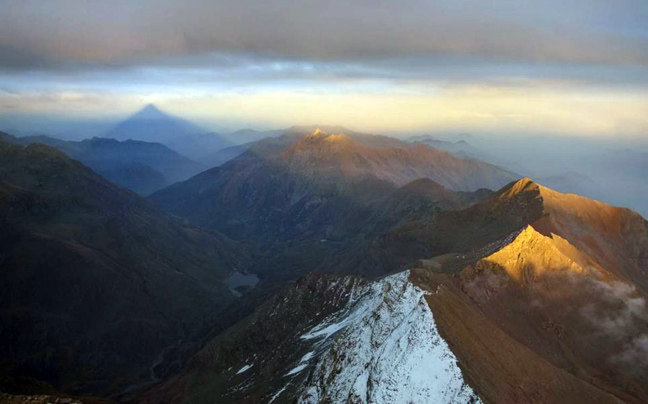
column 150, row 124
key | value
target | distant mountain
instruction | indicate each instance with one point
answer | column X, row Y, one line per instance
column 540, row 297
column 100, row 290
column 222, row 156
column 305, row 166
column 289, row 193
column 459, row 148
column 570, row 182
column 242, row 140
column 353, row 158
column 139, row 166
column 250, row 135
column 367, row 139
column 275, row 140
column 152, row 125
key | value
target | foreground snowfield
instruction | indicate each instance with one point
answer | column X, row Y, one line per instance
column 383, row 348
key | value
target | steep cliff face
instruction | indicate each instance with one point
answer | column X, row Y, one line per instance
column 386, row 350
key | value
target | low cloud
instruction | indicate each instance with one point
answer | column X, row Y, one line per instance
column 622, row 316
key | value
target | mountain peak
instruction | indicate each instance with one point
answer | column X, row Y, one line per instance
column 529, row 254
column 318, row 133
column 551, row 200
column 150, row 111
column 424, row 186
column 312, row 128
column 522, row 186
column 150, row 107
column 525, row 183
column 320, row 139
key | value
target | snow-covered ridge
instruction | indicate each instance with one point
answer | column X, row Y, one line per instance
column 384, row 349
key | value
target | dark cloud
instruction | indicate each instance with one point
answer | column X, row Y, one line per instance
column 46, row 34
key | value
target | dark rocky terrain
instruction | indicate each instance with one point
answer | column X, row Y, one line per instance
column 269, row 337
column 564, row 294
column 100, row 290
column 49, row 399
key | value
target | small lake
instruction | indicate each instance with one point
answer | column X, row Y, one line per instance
column 238, row 279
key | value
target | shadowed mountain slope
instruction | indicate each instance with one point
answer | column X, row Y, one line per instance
column 142, row 167
column 100, row 290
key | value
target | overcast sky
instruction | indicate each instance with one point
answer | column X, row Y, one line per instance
column 577, row 67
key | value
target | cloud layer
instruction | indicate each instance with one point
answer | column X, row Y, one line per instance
column 499, row 65
column 42, row 34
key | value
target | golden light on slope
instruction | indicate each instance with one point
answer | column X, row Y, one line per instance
column 531, row 255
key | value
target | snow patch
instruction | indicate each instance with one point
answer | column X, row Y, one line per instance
column 277, row 394
column 297, row 369
column 307, row 357
column 386, row 350
column 244, row 369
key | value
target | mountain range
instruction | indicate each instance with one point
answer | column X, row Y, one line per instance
column 460, row 148
column 549, row 309
column 142, row 167
column 316, row 265
column 313, row 169
column 303, row 196
column 250, row 135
